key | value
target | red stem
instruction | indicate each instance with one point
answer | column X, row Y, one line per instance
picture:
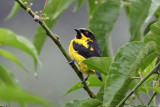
column 44, row 6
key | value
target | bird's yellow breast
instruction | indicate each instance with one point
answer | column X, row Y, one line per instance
column 74, row 53
column 78, row 58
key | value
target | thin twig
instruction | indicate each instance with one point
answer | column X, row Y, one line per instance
column 45, row 6
column 57, row 42
column 137, row 86
column 152, row 98
column 140, row 99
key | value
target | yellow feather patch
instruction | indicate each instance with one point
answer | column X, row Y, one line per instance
column 84, row 69
column 75, row 54
column 92, row 49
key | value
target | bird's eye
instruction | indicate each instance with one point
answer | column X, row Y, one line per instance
column 86, row 33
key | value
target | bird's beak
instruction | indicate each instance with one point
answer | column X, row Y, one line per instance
column 78, row 32
column 78, row 36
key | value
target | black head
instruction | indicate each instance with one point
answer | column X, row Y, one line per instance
column 84, row 32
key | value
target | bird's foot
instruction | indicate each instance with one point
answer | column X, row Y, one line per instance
column 85, row 79
column 71, row 62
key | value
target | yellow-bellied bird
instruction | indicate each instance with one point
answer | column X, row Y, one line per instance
column 84, row 46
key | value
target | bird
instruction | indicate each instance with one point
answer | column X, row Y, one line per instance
column 82, row 47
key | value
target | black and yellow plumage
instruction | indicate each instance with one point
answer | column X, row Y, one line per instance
column 84, row 46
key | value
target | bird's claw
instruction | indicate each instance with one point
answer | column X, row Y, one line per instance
column 71, row 62
column 84, row 80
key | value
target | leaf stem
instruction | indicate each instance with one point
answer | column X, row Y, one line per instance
column 137, row 86
column 57, row 42
column 151, row 98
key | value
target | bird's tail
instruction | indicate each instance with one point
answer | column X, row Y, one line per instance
column 99, row 76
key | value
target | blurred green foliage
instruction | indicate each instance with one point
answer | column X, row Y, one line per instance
column 133, row 60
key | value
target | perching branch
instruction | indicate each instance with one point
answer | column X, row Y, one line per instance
column 55, row 38
column 137, row 86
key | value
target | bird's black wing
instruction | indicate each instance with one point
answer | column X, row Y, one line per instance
column 87, row 52
column 97, row 50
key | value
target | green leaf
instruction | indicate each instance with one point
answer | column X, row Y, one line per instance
column 147, row 29
column 92, row 5
column 140, row 61
column 150, row 67
column 138, row 13
column 100, row 94
column 90, row 103
column 119, row 77
column 155, row 4
column 92, row 81
column 63, row 5
column 79, row 4
column 102, row 21
column 157, row 13
column 156, row 89
column 75, row 103
column 146, row 55
column 100, row 64
column 127, row 7
column 146, row 61
column 154, row 34
column 15, row 9
column 75, row 87
column 1, row 82
column 11, row 57
column 53, row 10
column 7, row 37
column 21, row 96
column 7, row 77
